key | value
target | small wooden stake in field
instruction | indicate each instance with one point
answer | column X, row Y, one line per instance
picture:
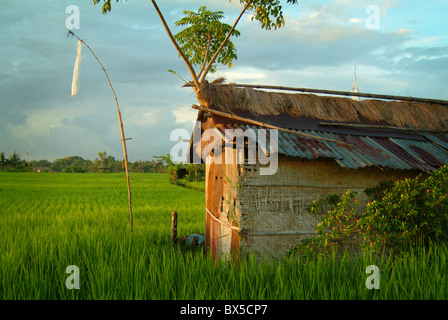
column 174, row 225
column 123, row 139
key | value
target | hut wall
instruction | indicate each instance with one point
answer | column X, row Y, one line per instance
column 272, row 209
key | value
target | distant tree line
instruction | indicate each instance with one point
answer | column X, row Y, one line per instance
column 181, row 173
column 103, row 163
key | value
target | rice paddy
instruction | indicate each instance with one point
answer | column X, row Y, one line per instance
column 51, row 221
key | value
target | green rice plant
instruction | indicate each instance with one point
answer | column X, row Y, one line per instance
column 49, row 222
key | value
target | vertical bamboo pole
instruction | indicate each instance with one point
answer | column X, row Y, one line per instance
column 126, row 165
column 123, row 139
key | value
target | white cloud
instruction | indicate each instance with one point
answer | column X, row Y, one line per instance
column 314, row 15
column 40, row 122
column 185, row 115
column 403, row 31
column 244, row 73
column 142, row 117
column 355, row 20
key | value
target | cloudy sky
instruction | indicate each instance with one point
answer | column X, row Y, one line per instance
column 404, row 52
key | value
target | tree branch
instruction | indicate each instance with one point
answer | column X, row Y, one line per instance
column 206, row 55
column 210, row 63
column 190, row 67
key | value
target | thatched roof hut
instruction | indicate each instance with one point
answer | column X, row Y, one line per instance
column 326, row 145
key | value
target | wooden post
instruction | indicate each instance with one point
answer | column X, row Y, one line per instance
column 174, row 226
column 340, row 93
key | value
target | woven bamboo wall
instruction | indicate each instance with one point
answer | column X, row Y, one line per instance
column 272, row 209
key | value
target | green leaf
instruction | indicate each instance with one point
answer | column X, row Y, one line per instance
column 203, row 35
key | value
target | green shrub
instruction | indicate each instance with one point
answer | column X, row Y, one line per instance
column 402, row 214
column 337, row 228
column 180, row 173
column 409, row 211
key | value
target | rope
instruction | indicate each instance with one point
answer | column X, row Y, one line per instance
column 222, row 222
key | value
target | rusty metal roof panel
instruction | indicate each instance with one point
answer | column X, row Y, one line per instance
column 288, row 147
column 426, row 152
column 383, row 156
column 358, row 151
column 439, row 139
column 343, row 155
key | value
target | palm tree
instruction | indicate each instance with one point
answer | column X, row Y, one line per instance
column 14, row 159
column 2, row 159
column 102, row 162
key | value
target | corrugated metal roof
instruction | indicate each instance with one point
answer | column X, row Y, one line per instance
column 361, row 151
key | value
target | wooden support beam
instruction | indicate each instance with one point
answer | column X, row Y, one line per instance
column 372, row 126
column 335, row 92
column 258, row 123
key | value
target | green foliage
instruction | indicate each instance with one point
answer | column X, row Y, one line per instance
column 71, row 164
column 340, row 222
column 40, row 163
column 337, row 227
column 14, row 159
column 107, row 163
column 13, row 163
column 378, row 191
column 107, row 5
column 181, row 173
column 410, row 211
column 76, row 164
column 165, row 159
column 268, row 12
column 405, row 213
column 203, row 37
column 206, row 41
column 195, row 172
column 317, row 205
column 174, row 171
column 2, row 159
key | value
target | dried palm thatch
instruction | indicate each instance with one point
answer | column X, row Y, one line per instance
column 396, row 113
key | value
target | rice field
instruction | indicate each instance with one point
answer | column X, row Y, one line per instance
column 51, row 221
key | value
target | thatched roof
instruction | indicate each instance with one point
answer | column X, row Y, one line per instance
column 327, row 108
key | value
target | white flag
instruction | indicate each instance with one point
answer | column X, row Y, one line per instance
column 76, row 70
